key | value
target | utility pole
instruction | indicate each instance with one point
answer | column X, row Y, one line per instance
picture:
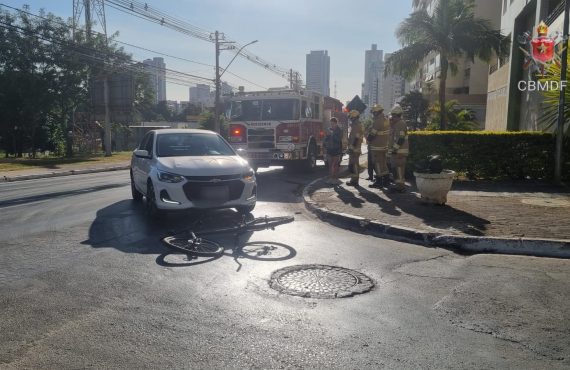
column 98, row 7
column 291, row 78
column 560, row 124
column 217, row 82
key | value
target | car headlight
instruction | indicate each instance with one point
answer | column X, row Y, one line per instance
column 169, row 177
column 249, row 175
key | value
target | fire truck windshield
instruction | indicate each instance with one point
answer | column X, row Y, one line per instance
column 267, row 109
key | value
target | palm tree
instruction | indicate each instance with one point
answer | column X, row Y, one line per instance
column 549, row 112
column 423, row 3
column 453, row 32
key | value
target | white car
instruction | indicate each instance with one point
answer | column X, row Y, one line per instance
column 177, row 169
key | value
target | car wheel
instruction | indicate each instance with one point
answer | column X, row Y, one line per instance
column 151, row 208
column 137, row 195
column 245, row 209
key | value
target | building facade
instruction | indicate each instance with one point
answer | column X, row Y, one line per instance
column 155, row 68
column 372, row 88
column 393, row 89
column 508, row 107
column 318, row 72
column 469, row 85
column 200, row 95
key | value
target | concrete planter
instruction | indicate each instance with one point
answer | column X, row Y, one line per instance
column 434, row 187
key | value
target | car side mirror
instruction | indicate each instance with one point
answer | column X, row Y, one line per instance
column 141, row 153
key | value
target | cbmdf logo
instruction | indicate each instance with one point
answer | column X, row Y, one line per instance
column 540, row 52
column 543, row 46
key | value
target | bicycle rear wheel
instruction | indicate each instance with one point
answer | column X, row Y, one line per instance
column 197, row 247
column 264, row 223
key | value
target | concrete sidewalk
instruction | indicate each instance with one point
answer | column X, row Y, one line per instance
column 62, row 170
column 518, row 218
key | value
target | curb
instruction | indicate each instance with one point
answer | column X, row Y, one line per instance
column 62, row 173
column 555, row 248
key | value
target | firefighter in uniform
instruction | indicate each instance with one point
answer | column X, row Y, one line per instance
column 399, row 148
column 354, row 146
column 378, row 138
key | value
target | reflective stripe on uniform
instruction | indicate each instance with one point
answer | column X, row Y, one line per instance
column 402, row 151
column 379, row 148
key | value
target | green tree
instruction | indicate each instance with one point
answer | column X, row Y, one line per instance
column 549, row 117
column 458, row 118
column 415, row 107
column 46, row 73
column 452, row 32
column 206, row 121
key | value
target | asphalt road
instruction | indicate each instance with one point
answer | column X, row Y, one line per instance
column 85, row 282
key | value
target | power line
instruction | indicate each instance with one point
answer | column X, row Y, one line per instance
column 128, row 64
column 132, row 45
column 148, row 13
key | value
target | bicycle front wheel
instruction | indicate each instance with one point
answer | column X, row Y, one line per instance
column 200, row 247
column 264, row 223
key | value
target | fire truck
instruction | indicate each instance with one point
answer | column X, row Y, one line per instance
column 282, row 127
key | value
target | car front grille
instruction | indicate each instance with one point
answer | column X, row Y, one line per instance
column 194, row 190
column 213, row 178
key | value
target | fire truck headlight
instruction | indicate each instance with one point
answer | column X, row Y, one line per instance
column 291, row 147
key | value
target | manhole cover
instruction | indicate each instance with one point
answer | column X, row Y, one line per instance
column 320, row 281
column 547, row 202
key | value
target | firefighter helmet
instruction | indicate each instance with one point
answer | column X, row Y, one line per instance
column 353, row 114
column 397, row 110
column 377, row 108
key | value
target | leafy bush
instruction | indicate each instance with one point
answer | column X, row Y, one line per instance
column 491, row 155
column 458, row 118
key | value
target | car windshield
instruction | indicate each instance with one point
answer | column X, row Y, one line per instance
column 270, row 109
column 191, row 144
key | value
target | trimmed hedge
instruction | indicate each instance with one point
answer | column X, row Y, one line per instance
column 491, row 155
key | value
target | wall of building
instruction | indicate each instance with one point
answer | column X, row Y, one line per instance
column 497, row 100
column 513, row 109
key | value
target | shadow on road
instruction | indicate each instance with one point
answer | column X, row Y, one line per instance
column 281, row 185
column 125, row 226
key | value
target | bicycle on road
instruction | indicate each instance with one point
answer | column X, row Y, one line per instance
column 193, row 243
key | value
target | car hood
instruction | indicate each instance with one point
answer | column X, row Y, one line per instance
column 203, row 166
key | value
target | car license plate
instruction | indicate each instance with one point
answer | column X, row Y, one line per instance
column 216, row 193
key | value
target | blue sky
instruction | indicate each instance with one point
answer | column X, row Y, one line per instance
column 286, row 30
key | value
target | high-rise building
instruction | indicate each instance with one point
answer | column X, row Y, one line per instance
column 393, row 88
column 318, row 71
column 200, row 94
column 156, row 70
column 372, row 89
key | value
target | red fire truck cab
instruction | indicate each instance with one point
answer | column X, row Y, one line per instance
column 282, row 127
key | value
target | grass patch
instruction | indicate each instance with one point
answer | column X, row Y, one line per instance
column 14, row 164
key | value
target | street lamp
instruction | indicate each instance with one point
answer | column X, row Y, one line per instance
column 217, row 80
